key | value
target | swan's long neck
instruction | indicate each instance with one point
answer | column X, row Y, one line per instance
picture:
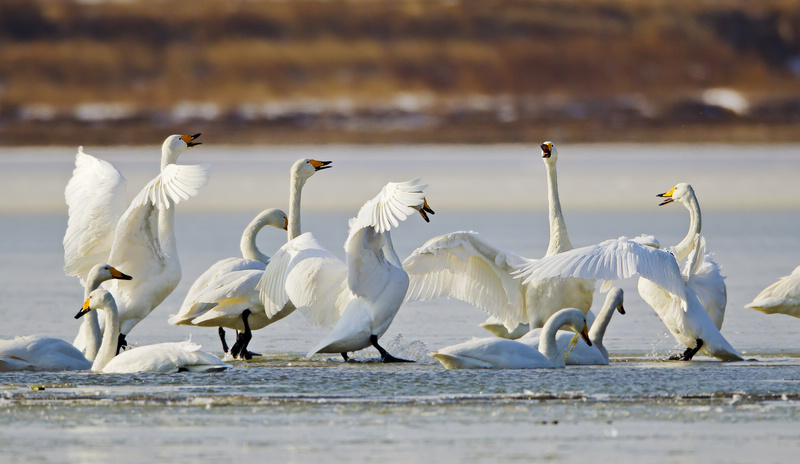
column 598, row 329
column 91, row 323
column 559, row 240
column 388, row 251
column 248, row 243
column 682, row 249
column 108, row 349
column 547, row 339
column 295, row 190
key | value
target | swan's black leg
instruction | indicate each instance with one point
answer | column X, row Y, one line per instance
column 346, row 358
column 121, row 343
column 385, row 356
column 222, row 339
column 689, row 353
column 239, row 348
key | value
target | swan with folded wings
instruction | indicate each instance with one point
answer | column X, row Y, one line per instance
column 359, row 297
column 139, row 240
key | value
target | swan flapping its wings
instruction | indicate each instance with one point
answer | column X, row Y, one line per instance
column 359, row 296
column 141, row 241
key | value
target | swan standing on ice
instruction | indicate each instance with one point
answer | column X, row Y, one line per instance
column 582, row 353
column 140, row 239
column 782, row 297
column 162, row 358
column 501, row 353
column 681, row 310
column 362, row 296
column 705, row 278
column 39, row 353
column 464, row 266
column 226, row 295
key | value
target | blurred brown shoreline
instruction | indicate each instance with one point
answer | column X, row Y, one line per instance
column 399, row 71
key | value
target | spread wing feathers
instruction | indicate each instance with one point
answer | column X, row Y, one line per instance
column 175, row 183
column 610, row 260
column 306, row 273
column 463, row 265
column 96, row 200
column 704, row 276
column 394, row 203
column 237, row 281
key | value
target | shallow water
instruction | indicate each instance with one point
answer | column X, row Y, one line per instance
column 282, row 406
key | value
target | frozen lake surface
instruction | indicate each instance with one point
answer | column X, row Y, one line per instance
column 282, row 406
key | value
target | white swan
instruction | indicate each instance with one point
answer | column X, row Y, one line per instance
column 782, row 297
column 705, row 279
column 681, row 310
column 140, row 241
column 226, row 294
column 582, row 353
column 160, row 358
column 360, row 297
column 39, row 353
column 464, row 266
column 500, row 353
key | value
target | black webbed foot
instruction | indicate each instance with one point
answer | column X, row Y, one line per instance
column 385, row 356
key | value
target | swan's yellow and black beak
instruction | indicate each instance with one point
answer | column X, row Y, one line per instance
column 119, row 275
column 320, row 165
column 85, row 309
column 188, row 139
column 621, row 309
column 547, row 150
column 585, row 334
column 667, row 195
column 425, row 210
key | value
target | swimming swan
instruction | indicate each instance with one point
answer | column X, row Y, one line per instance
column 39, row 353
column 362, row 296
column 681, row 311
column 226, row 295
column 139, row 240
column 782, row 297
column 464, row 266
column 500, row 353
column 161, row 358
column 582, row 353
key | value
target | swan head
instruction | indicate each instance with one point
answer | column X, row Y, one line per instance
column 571, row 318
column 680, row 193
column 549, row 151
column 102, row 272
column 424, row 209
column 174, row 145
column 273, row 217
column 304, row 168
column 614, row 299
column 99, row 298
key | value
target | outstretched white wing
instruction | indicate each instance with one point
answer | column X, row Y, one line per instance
column 175, row 183
column 395, row 202
column 306, row 273
column 463, row 265
column 96, row 200
column 610, row 260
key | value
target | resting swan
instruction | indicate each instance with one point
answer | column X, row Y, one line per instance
column 464, row 266
column 362, row 296
column 226, row 294
column 500, row 353
column 582, row 353
column 140, row 240
column 782, row 297
column 681, row 311
column 39, row 353
column 161, row 358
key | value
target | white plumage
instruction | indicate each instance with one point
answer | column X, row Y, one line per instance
column 782, row 297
